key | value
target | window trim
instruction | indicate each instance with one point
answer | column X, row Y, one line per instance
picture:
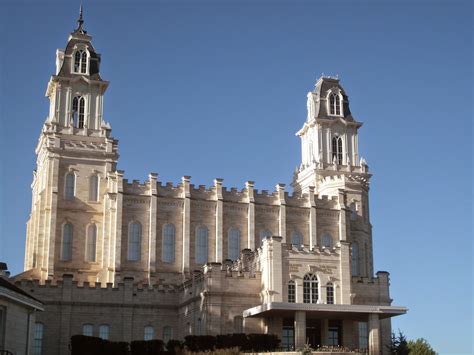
column 81, row 104
column 97, row 187
column 101, row 328
column 145, row 333
column 91, row 328
column 330, row 286
column 35, row 339
column 165, row 329
column 291, row 291
column 309, row 291
column 329, row 235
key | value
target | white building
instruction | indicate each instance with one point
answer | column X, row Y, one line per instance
column 127, row 260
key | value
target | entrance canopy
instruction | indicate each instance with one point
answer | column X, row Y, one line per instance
column 324, row 311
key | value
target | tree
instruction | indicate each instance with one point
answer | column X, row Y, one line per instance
column 420, row 347
column 399, row 345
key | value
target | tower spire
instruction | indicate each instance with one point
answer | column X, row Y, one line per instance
column 80, row 22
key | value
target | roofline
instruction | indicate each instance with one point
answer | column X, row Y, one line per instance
column 19, row 298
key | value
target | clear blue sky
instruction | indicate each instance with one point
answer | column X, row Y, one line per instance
column 218, row 89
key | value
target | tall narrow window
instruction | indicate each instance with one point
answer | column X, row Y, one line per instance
column 104, row 331
column 38, row 339
column 291, row 292
column 337, row 150
column 333, row 336
column 78, row 109
column 134, row 241
column 329, row 293
column 310, row 288
column 201, row 244
column 94, row 188
column 148, row 333
column 238, row 325
column 167, row 333
column 199, row 327
column 87, row 329
column 263, row 234
column 169, row 232
column 363, row 336
column 70, row 186
column 355, row 259
column 297, row 239
column 335, row 104
column 66, row 245
column 80, row 62
column 234, row 244
column 91, row 243
column 326, row 240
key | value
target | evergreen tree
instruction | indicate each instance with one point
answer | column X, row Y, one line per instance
column 420, row 347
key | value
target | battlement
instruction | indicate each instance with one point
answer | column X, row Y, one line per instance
column 305, row 250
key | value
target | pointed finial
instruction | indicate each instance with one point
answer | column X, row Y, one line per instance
column 80, row 22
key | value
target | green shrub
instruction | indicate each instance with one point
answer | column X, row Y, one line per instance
column 196, row 343
column 147, row 347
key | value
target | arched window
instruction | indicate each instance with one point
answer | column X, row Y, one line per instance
column 66, row 245
column 337, row 149
column 70, row 186
column 263, row 234
column 326, row 240
column 167, row 333
column 148, row 333
column 94, row 188
column 201, row 244
column 134, row 241
column 297, row 239
column 291, row 292
column 310, row 288
column 80, row 62
column 329, row 293
column 104, row 331
column 355, row 259
column 87, row 329
column 233, row 247
column 78, row 109
column 38, row 339
column 169, row 237
column 335, row 104
column 91, row 243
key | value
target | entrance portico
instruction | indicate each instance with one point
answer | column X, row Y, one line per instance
column 327, row 324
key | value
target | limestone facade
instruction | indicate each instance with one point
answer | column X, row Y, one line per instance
column 183, row 259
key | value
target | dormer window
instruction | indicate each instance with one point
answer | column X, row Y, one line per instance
column 80, row 62
column 78, row 108
column 335, row 104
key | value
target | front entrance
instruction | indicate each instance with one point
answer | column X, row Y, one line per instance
column 313, row 332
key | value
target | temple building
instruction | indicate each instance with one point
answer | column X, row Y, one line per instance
column 126, row 260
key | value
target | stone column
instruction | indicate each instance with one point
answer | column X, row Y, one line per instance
column 374, row 334
column 251, row 215
column 117, row 234
column 152, row 177
column 300, row 329
column 344, row 294
column 219, row 221
column 51, row 212
column 282, row 214
column 186, row 195
column 313, row 236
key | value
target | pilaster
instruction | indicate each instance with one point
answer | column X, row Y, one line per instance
column 345, row 273
column 313, row 235
column 219, row 220
column 280, row 188
column 51, row 210
column 152, row 177
column 250, row 215
column 342, row 216
column 117, row 230
column 186, row 195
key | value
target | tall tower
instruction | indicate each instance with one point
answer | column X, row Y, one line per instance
column 330, row 150
column 75, row 156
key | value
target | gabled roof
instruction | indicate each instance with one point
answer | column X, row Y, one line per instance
column 20, row 295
